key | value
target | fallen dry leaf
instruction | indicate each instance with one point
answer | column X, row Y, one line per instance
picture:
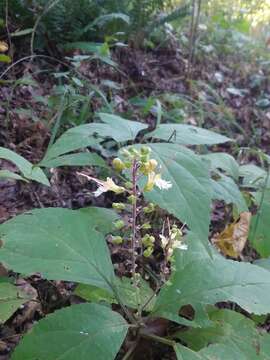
column 232, row 240
column 3, row 46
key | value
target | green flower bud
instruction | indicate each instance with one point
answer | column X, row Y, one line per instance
column 117, row 240
column 128, row 164
column 128, row 185
column 119, row 206
column 146, row 226
column 144, row 158
column 125, row 153
column 149, row 208
column 119, row 224
column 148, row 252
column 118, row 164
column 134, row 152
column 148, row 240
column 145, row 150
column 132, row 199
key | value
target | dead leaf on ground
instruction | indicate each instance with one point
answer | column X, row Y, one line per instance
column 232, row 240
column 3, row 46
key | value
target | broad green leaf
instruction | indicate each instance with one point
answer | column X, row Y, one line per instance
column 61, row 244
column 73, row 139
column 200, row 281
column 189, row 198
column 231, row 329
column 222, row 352
column 94, row 294
column 187, row 135
column 125, row 291
column 183, row 353
column 78, row 137
column 253, row 176
column 6, row 174
column 85, row 331
column 212, row 352
column 11, row 298
column 226, row 189
column 28, row 170
column 128, row 296
column 224, row 162
column 264, row 263
column 79, row 159
column 121, row 130
column 259, row 234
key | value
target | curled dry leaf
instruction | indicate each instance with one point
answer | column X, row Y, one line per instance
column 3, row 46
column 232, row 240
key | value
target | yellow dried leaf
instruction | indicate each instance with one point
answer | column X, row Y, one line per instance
column 232, row 240
column 3, row 46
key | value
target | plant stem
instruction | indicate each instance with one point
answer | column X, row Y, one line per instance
column 134, row 216
column 158, row 339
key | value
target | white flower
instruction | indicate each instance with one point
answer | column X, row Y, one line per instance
column 164, row 241
column 179, row 245
column 104, row 186
column 162, row 184
column 155, row 179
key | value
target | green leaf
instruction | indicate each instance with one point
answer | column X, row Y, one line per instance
column 264, row 263
column 183, row 353
column 73, row 139
column 11, row 298
column 6, row 174
column 128, row 296
column 259, row 234
column 231, row 329
column 85, row 46
column 226, row 189
column 94, row 294
column 85, row 331
column 22, row 32
column 125, row 291
column 187, row 135
column 253, row 176
column 5, row 58
column 212, row 352
column 198, row 280
column 224, row 162
column 222, row 352
column 115, row 127
column 189, row 198
column 28, row 170
column 79, row 159
column 61, row 244
column 121, row 130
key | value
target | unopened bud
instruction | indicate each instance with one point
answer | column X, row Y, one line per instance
column 128, row 185
column 117, row 240
column 146, row 226
column 118, row 164
column 132, row 199
column 119, row 224
column 148, row 252
column 145, row 150
column 119, row 206
column 149, row 208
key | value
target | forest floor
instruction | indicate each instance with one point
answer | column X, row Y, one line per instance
column 221, row 95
